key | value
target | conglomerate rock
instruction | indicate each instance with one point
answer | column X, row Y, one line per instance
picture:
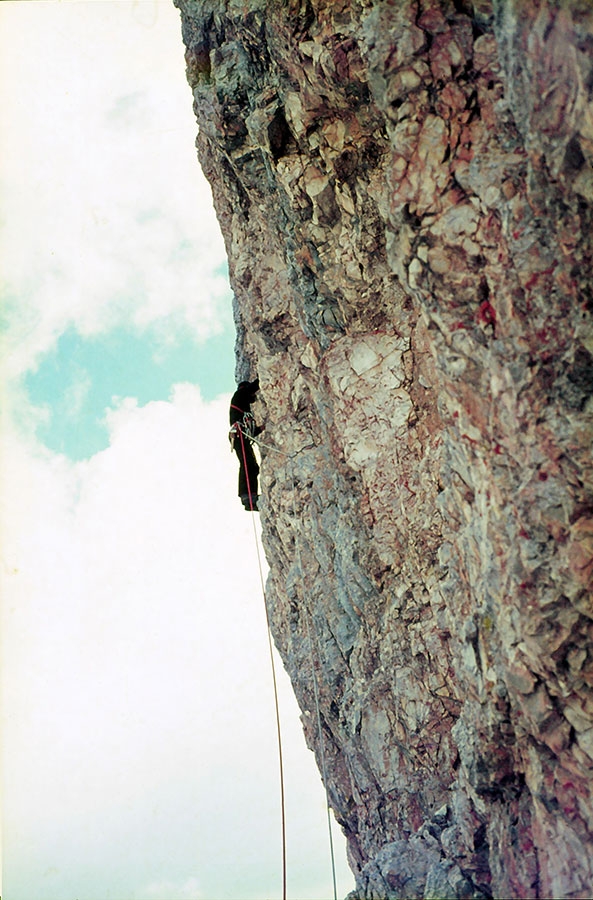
column 405, row 190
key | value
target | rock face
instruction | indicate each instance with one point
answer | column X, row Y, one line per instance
column 405, row 189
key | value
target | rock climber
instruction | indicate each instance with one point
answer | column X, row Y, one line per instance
column 243, row 428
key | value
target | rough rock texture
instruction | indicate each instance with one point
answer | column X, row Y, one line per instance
column 405, row 189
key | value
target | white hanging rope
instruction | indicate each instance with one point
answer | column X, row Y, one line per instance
column 242, row 438
column 315, row 689
column 308, row 623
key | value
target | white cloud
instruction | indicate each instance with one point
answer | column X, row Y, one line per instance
column 76, row 394
column 184, row 890
column 107, row 217
column 140, row 737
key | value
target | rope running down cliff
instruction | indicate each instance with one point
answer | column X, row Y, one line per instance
column 315, row 688
column 291, row 457
column 242, row 437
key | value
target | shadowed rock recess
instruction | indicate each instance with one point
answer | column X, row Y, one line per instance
column 405, row 190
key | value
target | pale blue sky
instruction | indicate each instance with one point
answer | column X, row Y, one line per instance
column 77, row 380
column 139, row 754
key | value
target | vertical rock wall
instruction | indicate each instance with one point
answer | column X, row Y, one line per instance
column 405, row 192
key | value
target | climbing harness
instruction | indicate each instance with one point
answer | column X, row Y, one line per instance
column 243, row 436
column 246, row 424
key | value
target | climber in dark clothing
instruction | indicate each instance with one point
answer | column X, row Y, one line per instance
column 243, row 428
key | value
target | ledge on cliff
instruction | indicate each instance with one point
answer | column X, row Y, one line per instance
column 405, row 192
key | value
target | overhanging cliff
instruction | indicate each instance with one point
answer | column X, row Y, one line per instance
column 405, row 190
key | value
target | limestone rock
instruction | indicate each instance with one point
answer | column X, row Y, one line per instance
column 405, row 188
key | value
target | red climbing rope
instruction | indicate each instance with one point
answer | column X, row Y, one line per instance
column 244, row 452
